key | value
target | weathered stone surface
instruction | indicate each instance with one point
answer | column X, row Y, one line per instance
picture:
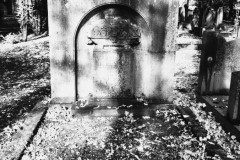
column 209, row 51
column 112, row 48
column 210, row 19
column 218, row 60
column 219, row 18
column 233, row 112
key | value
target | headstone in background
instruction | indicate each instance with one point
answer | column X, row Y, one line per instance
column 182, row 11
column 219, row 19
column 195, row 22
column 210, row 19
column 204, row 16
column 233, row 112
column 181, row 14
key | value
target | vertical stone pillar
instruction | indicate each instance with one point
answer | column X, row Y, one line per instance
column 219, row 19
column 233, row 112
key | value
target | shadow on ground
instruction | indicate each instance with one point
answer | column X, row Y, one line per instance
column 21, row 107
column 24, row 80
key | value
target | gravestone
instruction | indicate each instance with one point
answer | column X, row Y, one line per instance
column 233, row 112
column 109, row 50
column 182, row 15
column 219, row 18
column 210, row 19
column 219, row 59
column 182, row 11
column 208, row 56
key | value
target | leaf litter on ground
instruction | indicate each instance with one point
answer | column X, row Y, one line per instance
column 124, row 137
column 165, row 136
column 24, row 81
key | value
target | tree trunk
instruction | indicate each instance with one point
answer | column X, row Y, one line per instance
column 25, row 32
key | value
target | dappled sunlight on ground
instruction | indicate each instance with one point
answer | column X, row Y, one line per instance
column 125, row 136
column 161, row 133
column 24, row 79
column 186, row 70
column 218, row 143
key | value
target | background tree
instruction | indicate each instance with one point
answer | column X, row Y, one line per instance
column 32, row 15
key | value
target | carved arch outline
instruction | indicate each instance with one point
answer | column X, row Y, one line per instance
column 85, row 19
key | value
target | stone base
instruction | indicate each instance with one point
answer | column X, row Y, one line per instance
column 107, row 111
column 107, row 101
column 63, row 100
column 119, row 102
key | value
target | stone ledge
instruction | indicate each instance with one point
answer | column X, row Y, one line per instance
column 107, row 111
column 189, row 41
column 15, row 148
column 220, row 117
column 197, row 129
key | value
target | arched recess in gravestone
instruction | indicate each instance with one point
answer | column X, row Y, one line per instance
column 110, row 43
